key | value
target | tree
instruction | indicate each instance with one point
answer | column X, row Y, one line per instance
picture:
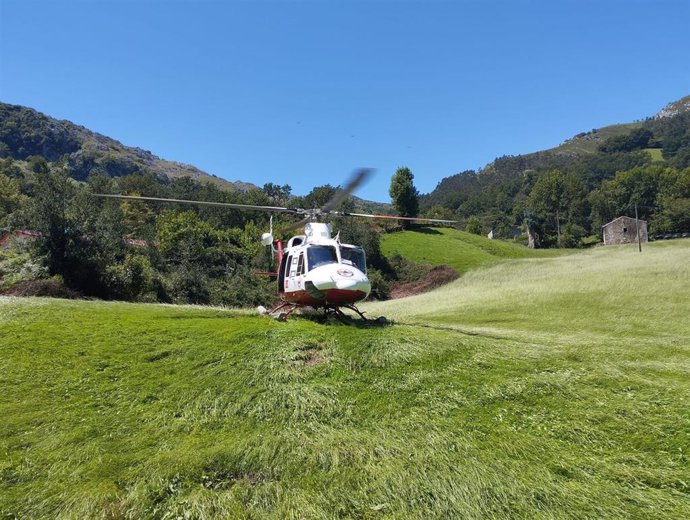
column 50, row 212
column 556, row 199
column 637, row 186
column 277, row 194
column 79, row 235
column 11, row 198
column 473, row 225
column 438, row 211
column 38, row 164
column 636, row 140
column 319, row 196
column 404, row 195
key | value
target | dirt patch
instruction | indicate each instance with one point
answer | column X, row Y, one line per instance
column 47, row 288
column 309, row 356
column 437, row 277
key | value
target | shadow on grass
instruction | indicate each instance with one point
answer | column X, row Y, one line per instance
column 344, row 321
column 426, row 230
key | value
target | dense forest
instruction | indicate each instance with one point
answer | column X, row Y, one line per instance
column 565, row 194
column 78, row 243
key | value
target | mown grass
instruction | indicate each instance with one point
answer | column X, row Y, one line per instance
column 540, row 388
column 457, row 249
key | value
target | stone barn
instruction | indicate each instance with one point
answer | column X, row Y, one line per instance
column 622, row 231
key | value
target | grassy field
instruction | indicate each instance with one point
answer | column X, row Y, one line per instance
column 537, row 388
column 457, row 249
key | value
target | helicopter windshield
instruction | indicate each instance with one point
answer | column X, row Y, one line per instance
column 354, row 256
column 320, row 255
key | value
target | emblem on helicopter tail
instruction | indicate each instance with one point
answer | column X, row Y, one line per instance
column 345, row 272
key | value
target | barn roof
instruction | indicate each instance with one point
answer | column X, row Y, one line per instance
column 624, row 216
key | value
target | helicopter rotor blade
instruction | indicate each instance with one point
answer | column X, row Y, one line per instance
column 356, row 180
column 294, row 225
column 393, row 217
column 276, row 209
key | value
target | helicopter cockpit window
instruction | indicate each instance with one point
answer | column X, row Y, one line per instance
column 320, row 255
column 354, row 256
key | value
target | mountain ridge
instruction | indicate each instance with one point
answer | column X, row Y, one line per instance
column 25, row 131
column 581, row 147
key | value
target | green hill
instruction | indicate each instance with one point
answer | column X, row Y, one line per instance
column 538, row 388
column 457, row 249
column 25, row 132
column 511, row 190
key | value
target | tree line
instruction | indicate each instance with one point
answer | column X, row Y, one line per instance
column 160, row 252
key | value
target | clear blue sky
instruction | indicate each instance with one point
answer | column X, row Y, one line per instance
column 303, row 92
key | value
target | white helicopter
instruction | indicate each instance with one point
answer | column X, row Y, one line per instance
column 315, row 269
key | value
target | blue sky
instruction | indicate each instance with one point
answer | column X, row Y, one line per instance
column 304, row 92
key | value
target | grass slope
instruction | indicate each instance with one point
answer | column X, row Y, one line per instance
column 457, row 249
column 589, row 142
column 540, row 388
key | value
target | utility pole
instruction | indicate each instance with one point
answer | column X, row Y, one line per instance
column 637, row 230
column 558, row 229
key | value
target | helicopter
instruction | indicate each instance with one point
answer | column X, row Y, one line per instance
column 314, row 269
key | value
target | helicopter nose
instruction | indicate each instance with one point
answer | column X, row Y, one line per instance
column 343, row 279
column 346, row 284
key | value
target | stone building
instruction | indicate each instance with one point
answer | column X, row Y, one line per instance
column 623, row 231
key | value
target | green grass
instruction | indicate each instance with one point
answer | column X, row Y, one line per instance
column 538, row 388
column 656, row 154
column 590, row 143
column 460, row 250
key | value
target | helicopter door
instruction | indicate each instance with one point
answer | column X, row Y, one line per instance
column 282, row 272
column 291, row 273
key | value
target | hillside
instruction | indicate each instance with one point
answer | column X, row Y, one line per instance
column 588, row 193
column 589, row 142
column 25, row 132
column 457, row 249
column 541, row 388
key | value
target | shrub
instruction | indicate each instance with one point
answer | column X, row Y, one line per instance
column 133, row 279
column 380, row 287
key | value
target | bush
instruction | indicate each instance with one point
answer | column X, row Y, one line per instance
column 48, row 288
column 133, row 279
column 406, row 271
column 380, row 287
column 474, row 226
column 572, row 235
column 20, row 266
column 243, row 288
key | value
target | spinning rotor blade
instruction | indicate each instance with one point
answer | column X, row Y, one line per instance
column 295, row 225
column 394, row 217
column 202, row 202
column 357, row 178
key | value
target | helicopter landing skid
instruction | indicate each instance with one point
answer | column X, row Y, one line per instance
column 275, row 312
column 336, row 312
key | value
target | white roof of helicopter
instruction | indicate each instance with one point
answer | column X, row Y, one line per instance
column 318, row 233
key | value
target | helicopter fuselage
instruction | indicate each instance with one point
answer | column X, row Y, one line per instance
column 319, row 271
